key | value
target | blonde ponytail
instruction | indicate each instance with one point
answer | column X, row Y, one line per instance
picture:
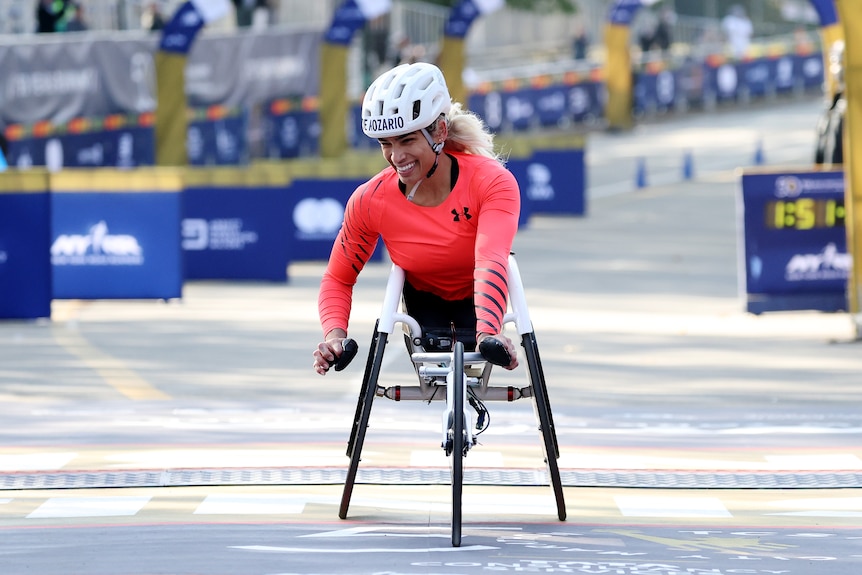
column 468, row 133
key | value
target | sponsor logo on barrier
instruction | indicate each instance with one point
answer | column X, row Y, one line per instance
column 553, row 102
column 92, row 156
column 97, row 248
column 812, row 67
column 539, row 182
column 518, row 109
column 793, row 186
column 579, row 101
column 194, row 143
column 494, row 110
column 829, row 264
column 665, row 88
column 225, row 234
column 317, row 218
column 726, row 79
column 126, row 151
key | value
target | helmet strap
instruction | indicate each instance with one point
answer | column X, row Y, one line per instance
column 413, row 191
column 437, row 147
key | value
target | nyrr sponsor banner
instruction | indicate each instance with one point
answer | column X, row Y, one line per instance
column 236, row 232
column 551, row 182
column 794, row 248
column 25, row 239
column 316, row 213
column 116, row 234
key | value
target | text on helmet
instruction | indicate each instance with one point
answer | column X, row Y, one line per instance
column 380, row 124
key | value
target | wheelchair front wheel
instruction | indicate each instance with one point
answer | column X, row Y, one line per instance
column 458, row 439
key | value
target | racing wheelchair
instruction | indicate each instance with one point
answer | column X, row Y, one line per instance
column 465, row 377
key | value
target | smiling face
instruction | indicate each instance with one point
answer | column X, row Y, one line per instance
column 410, row 155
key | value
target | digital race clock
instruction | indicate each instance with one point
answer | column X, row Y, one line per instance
column 805, row 214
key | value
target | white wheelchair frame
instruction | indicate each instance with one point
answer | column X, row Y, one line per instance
column 464, row 374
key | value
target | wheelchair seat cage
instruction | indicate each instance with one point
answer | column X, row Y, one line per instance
column 466, row 379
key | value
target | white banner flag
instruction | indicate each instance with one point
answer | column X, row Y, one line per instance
column 211, row 10
column 371, row 9
column 488, row 6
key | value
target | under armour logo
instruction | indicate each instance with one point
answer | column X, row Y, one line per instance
column 458, row 215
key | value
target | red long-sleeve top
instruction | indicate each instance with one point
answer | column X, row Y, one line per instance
column 457, row 249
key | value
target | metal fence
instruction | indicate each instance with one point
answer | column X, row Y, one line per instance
column 502, row 40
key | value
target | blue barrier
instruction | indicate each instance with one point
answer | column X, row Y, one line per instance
column 125, row 148
column 235, row 231
column 293, row 134
column 316, row 208
column 290, row 126
column 25, row 241
column 116, row 234
column 551, row 182
column 219, row 142
column 795, row 246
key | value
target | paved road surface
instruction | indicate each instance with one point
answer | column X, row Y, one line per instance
column 192, row 437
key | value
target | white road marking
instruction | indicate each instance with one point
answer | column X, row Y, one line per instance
column 35, row 461
column 58, row 507
column 251, row 504
column 387, row 551
column 633, row 506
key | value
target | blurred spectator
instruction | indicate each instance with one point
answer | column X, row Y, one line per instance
column 663, row 37
column 375, row 38
column 830, row 127
column 580, row 43
column 152, row 18
column 49, row 16
column 244, row 12
column 76, row 21
column 646, row 29
column 260, row 16
column 3, row 146
column 737, row 30
column 710, row 40
column 405, row 52
column 398, row 50
column 252, row 14
column 801, row 42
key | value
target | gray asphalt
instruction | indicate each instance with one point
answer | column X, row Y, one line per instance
column 219, row 450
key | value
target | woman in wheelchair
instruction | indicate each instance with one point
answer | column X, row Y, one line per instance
column 446, row 208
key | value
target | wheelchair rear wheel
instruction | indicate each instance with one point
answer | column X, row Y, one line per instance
column 363, row 412
column 542, row 406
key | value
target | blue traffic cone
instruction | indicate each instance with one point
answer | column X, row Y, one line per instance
column 687, row 166
column 758, row 154
column 640, row 175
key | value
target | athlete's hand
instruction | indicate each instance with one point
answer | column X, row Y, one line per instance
column 496, row 355
column 329, row 350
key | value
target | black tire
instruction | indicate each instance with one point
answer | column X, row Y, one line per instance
column 360, row 403
column 456, row 462
column 360, row 424
column 542, row 407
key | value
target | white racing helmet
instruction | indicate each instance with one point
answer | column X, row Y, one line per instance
column 405, row 99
